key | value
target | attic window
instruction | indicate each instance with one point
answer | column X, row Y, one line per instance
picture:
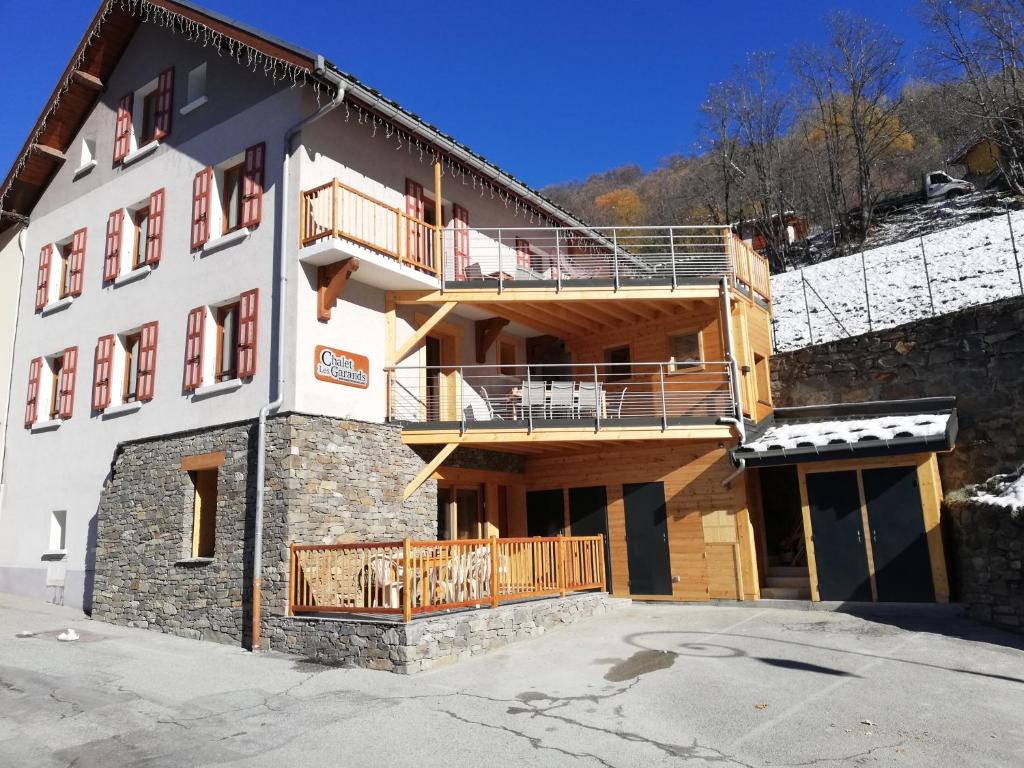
column 195, row 95
column 87, row 154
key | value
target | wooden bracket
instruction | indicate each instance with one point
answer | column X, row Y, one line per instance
column 89, row 81
column 331, row 280
column 428, row 469
column 487, row 332
column 51, row 152
column 421, row 333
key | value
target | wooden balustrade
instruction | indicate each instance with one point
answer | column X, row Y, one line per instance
column 751, row 269
column 416, row 577
column 337, row 210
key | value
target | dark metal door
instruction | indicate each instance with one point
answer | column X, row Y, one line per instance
column 839, row 552
column 545, row 513
column 903, row 571
column 588, row 516
column 650, row 572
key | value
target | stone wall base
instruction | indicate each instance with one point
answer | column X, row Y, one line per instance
column 429, row 641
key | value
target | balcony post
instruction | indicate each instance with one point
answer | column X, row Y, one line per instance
column 494, row 572
column 501, row 274
column 672, row 253
column 462, row 401
column 615, row 256
column 558, row 262
column 560, row 543
column 598, row 401
column 335, row 194
column 529, row 402
column 664, row 412
column 406, row 582
column 438, row 256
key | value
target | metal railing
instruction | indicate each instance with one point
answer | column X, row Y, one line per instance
column 530, row 396
column 415, row 577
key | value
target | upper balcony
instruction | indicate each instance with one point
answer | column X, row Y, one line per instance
column 398, row 251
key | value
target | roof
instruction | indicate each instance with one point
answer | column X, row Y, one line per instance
column 851, row 430
column 105, row 41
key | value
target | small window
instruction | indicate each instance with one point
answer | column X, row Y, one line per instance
column 204, row 515
column 140, row 220
column 227, row 343
column 231, row 198
column 618, row 361
column 65, row 270
column 506, row 358
column 58, row 530
column 149, row 107
column 131, row 367
column 196, row 83
column 684, row 351
column 88, row 152
column 763, row 379
column 56, row 365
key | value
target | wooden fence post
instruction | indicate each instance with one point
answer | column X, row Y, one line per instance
column 494, row 572
column 601, row 564
column 335, row 193
column 406, row 583
column 560, row 544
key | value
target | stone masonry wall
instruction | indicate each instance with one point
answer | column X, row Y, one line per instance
column 976, row 354
column 989, row 544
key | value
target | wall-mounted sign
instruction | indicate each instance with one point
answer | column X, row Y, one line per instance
column 340, row 367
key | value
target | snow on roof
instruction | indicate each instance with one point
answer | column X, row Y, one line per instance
column 821, row 433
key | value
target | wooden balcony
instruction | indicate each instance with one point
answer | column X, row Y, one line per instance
column 410, row 578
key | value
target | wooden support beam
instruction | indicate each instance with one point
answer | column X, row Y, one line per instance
column 51, row 152
column 487, row 332
column 421, row 333
column 330, row 282
column 89, row 81
column 428, row 469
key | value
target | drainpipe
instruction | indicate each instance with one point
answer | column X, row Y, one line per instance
column 273, row 405
column 737, row 419
column 10, row 384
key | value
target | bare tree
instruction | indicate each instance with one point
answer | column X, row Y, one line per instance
column 720, row 143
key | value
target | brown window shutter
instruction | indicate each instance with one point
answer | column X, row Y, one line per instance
column 164, row 103
column 123, row 127
column 43, row 277
column 35, row 370
column 194, row 348
column 522, row 252
column 155, row 236
column 201, row 207
column 66, row 394
column 77, row 265
column 461, row 217
column 101, row 372
column 147, row 362
column 414, row 231
column 252, row 186
column 248, row 316
column 112, row 249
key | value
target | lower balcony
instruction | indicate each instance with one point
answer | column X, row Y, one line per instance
column 486, row 404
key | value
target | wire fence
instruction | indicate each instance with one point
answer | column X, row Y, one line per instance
column 930, row 275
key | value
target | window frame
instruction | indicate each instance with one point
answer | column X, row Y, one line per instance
column 204, row 512
column 138, row 255
column 56, row 366
column 148, row 116
column 674, row 366
column 232, row 172
column 130, row 361
column 64, row 286
column 220, row 313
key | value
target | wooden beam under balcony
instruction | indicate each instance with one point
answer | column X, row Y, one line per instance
column 518, row 440
column 331, row 281
column 421, row 333
column 568, row 293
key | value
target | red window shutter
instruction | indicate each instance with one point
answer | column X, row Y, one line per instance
column 252, row 185
column 43, row 278
column 248, row 312
column 522, row 252
column 35, row 370
column 66, row 393
column 101, row 372
column 194, row 348
column 201, row 207
column 414, row 208
column 164, row 103
column 147, row 362
column 112, row 250
column 155, row 236
column 461, row 217
column 77, row 265
column 123, row 127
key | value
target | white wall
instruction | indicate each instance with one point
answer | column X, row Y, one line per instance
column 10, row 288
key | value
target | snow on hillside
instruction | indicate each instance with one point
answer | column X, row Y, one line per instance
column 969, row 264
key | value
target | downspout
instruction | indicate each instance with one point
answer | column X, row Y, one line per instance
column 14, row 345
column 737, row 419
column 282, row 251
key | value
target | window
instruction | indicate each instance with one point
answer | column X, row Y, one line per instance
column 204, row 511
column 58, row 530
column 56, row 365
column 231, row 198
column 618, row 361
column 149, row 107
column 140, row 219
column 227, row 343
column 65, row 271
column 88, row 152
column 685, row 351
column 132, row 345
column 196, row 84
column 762, row 377
column 507, row 358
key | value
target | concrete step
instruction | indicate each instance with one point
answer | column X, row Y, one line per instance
column 785, row 593
column 795, row 582
column 787, row 570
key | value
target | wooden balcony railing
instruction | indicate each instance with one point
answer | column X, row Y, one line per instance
column 336, row 210
column 418, row 577
column 751, row 269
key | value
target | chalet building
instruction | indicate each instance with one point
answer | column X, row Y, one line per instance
column 286, row 350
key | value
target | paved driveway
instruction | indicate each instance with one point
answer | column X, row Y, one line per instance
column 647, row 686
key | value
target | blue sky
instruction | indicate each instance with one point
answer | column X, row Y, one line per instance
column 551, row 90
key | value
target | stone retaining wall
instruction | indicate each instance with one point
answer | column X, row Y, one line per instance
column 429, row 641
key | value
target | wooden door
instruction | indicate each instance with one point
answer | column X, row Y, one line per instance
column 588, row 516
column 898, row 542
column 647, row 554
column 833, row 499
column 545, row 513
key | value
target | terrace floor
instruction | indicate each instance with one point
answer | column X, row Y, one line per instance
column 648, row 685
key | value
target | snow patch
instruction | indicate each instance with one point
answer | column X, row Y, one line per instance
column 1001, row 490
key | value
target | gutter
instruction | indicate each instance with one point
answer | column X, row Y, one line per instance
column 282, row 253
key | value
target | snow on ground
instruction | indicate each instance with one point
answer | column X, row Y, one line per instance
column 1002, row 490
column 967, row 265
